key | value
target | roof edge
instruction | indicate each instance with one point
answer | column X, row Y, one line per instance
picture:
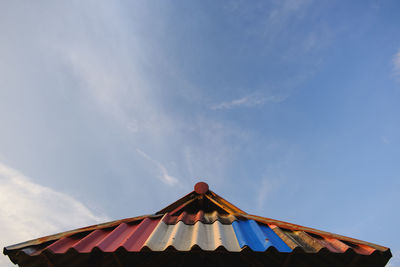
column 297, row 227
column 41, row 240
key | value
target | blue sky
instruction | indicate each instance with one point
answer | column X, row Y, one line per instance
column 289, row 109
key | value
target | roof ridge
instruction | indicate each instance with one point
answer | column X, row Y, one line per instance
column 197, row 198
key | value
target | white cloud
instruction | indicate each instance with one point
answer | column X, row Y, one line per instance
column 107, row 61
column 164, row 175
column 29, row 210
column 396, row 64
column 251, row 100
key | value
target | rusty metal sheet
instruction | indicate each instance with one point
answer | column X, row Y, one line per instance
column 208, row 218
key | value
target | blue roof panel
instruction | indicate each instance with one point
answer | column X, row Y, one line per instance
column 258, row 237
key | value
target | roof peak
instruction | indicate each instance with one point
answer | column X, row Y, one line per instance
column 201, row 188
column 202, row 198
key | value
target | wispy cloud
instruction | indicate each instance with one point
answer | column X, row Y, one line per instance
column 164, row 175
column 262, row 194
column 284, row 9
column 386, row 140
column 396, row 64
column 29, row 210
column 248, row 101
column 117, row 86
column 267, row 188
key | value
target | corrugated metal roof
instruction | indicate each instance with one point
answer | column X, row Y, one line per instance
column 156, row 235
column 185, row 226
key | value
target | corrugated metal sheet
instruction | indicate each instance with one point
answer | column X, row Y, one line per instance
column 179, row 230
column 258, row 237
column 184, row 237
column 131, row 237
column 188, row 218
column 314, row 232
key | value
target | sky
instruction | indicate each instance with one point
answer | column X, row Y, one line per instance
column 113, row 109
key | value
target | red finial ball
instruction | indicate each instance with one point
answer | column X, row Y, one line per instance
column 201, row 188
